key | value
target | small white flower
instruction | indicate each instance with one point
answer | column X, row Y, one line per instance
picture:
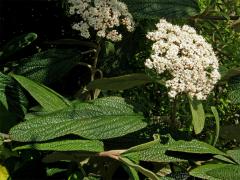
column 186, row 56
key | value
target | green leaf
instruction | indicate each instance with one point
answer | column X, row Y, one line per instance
column 49, row 66
column 234, row 92
column 235, row 155
column 13, row 102
column 103, row 118
column 201, row 171
column 217, row 120
column 17, row 44
column 133, row 174
column 194, row 146
column 11, row 95
column 47, row 98
column 224, row 159
column 198, row 115
column 121, row 82
column 162, row 8
column 231, row 172
column 66, row 145
column 152, row 151
column 144, row 171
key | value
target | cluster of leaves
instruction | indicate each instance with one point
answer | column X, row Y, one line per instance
column 72, row 131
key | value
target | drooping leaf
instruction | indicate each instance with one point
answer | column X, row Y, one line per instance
column 201, row 171
column 120, row 83
column 217, row 120
column 47, row 98
column 235, row 155
column 194, row 146
column 133, row 174
column 139, row 168
column 198, row 115
column 103, row 118
column 49, row 66
column 17, row 44
column 152, row 151
column 66, row 145
column 227, row 172
column 162, row 8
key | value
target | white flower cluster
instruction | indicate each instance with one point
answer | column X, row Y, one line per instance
column 101, row 15
column 188, row 58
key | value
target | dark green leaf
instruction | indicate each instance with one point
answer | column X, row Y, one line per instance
column 231, row 172
column 120, row 83
column 198, row 115
column 66, row 145
column 162, row 8
column 234, row 92
column 13, row 102
column 103, row 118
column 47, row 98
column 49, row 66
column 201, row 171
column 194, row 146
column 17, row 44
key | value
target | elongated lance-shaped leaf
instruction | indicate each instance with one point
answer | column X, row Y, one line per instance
column 66, row 145
column 103, row 118
column 194, row 146
column 231, row 172
column 152, row 151
column 198, row 115
column 17, row 44
column 162, row 8
column 48, row 66
column 217, row 120
column 47, row 98
column 120, row 82
column 201, row 171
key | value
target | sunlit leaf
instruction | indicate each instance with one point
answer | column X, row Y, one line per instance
column 103, row 118
column 46, row 97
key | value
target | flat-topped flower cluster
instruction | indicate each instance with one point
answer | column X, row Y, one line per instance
column 188, row 58
column 101, row 15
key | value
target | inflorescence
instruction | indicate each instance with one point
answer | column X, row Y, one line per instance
column 101, row 15
column 186, row 56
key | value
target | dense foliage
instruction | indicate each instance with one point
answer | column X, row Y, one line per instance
column 125, row 95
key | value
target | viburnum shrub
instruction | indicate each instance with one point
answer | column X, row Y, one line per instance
column 61, row 108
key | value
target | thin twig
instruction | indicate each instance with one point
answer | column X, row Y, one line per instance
column 114, row 154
